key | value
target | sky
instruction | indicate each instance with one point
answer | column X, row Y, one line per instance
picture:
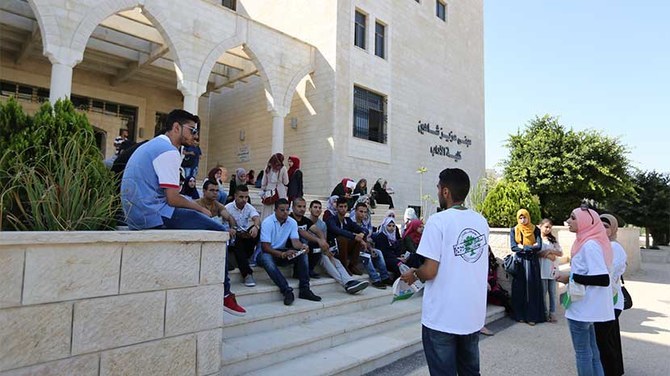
column 595, row 64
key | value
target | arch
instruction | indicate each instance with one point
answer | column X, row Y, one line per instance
column 264, row 75
column 290, row 89
column 107, row 8
column 213, row 56
column 48, row 30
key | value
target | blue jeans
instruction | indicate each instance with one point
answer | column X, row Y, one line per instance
column 549, row 285
column 448, row 354
column 190, row 171
column 586, row 348
column 189, row 219
column 376, row 264
column 300, row 267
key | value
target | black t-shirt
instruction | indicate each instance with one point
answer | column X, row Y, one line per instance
column 303, row 224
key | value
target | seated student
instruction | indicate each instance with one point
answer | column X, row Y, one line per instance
column 312, row 235
column 348, row 236
column 209, row 201
column 410, row 242
column 315, row 210
column 373, row 259
column 240, row 178
column 386, row 241
column 381, row 193
column 345, row 188
column 218, row 175
column 280, row 243
column 189, row 189
column 248, row 225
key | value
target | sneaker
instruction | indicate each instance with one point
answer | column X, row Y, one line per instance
column 230, row 305
column 249, row 281
column 309, row 295
column 289, row 298
column 353, row 287
column 252, row 262
column 388, row 282
column 379, row 284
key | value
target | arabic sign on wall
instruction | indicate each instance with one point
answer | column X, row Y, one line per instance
column 243, row 153
column 447, row 138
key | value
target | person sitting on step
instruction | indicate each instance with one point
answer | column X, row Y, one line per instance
column 248, row 230
column 373, row 259
column 348, row 236
column 281, row 246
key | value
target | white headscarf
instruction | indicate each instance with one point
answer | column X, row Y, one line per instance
column 410, row 214
column 382, row 229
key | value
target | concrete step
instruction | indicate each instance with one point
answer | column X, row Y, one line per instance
column 265, row 290
column 247, row 353
column 363, row 355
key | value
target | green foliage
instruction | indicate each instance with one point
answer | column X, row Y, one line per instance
column 478, row 193
column 51, row 172
column 651, row 208
column 505, row 199
column 563, row 167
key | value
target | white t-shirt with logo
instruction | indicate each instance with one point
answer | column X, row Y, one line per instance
column 597, row 303
column 619, row 258
column 455, row 300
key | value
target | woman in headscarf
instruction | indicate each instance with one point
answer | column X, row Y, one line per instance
column 527, row 297
column 410, row 242
column 386, row 241
column 361, row 190
column 495, row 294
column 380, row 193
column 189, row 189
column 331, row 208
column 608, row 335
column 344, row 188
column 409, row 215
column 241, row 177
column 275, row 177
column 590, row 299
column 294, row 189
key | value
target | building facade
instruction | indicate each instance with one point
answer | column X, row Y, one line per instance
column 355, row 88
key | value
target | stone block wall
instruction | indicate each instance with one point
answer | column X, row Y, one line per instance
column 111, row 303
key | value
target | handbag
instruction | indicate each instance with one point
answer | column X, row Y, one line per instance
column 511, row 264
column 270, row 197
column 627, row 299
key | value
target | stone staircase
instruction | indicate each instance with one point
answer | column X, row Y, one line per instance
column 341, row 335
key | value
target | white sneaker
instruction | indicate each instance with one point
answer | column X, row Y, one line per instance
column 249, row 281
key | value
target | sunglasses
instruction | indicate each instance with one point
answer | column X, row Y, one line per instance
column 194, row 130
column 585, row 207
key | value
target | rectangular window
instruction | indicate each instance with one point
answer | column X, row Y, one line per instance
column 369, row 115
column 230, row 4
column 359, row 30
column 380, row 31
column 441, row 10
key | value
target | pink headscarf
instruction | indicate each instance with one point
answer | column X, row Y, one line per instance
column 590, row 227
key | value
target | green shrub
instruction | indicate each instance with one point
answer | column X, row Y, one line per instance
column 505, row 199
column 51, row 172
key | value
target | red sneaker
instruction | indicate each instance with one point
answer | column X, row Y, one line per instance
column 230, row 305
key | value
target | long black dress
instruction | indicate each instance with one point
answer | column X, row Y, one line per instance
column 527, row 295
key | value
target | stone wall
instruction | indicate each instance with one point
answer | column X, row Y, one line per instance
column 111, row 303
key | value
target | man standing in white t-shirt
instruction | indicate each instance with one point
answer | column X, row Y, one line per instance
column 455, row 245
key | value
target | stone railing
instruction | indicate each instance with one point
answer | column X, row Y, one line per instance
column 112, row 303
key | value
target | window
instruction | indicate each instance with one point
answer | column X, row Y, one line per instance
column 380, row 31
column 230, row 4
column 369, row 115
column 441, row 10
column 359, row 30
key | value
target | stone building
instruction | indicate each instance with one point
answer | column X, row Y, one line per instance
column 355, row 88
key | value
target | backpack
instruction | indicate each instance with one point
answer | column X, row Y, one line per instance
column 510, row 264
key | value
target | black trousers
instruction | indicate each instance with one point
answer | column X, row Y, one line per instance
column 243, row 249
column 608, row 338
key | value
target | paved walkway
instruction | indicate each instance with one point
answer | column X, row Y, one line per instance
column 546, row 348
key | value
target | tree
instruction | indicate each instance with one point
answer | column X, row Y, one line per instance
column 563, row 167
column 651, row 209
column 505, row 199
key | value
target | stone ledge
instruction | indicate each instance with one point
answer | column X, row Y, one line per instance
column 78, row 237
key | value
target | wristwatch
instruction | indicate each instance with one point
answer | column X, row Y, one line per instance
column 417, row 277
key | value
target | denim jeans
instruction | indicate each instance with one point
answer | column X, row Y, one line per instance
column 300, row 267
column 450, row 354
column 376, row 268
column 190, row 171
column 549, row 285
column 586, row 348
column 189, row 219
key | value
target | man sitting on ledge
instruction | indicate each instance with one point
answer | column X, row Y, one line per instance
column 281, row 246
column 150, row 189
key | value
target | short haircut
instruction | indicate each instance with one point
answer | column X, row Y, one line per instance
column 179, row 116
column 241, row 188
column 341, row 200
column 298, row 199
column 315, row 202
column 281, row 201
column 208, row 183
column 359, row 204
column 457, row 181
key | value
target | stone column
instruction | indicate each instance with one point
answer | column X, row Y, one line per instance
column 191, row 92
column 62, row 64
column 277, row 132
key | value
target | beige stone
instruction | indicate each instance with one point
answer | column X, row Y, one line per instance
column 32, row 335
column 193, row 309
column 209, row 351
column 65, row 271
column 110, row 322
column 86, row 365
column 212, row 263
column 155, row 266
column 11, row 276
column 173, row 356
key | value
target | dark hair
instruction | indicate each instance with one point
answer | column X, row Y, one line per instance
column 359, row 204
column 281, row 201
column 241, row 188
column 211, row 175
column 341, row 200
column 315, row 202
column 299, row 199
column 208, row 183
column 178, row 116
column 550, row 236
column 457, row 181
